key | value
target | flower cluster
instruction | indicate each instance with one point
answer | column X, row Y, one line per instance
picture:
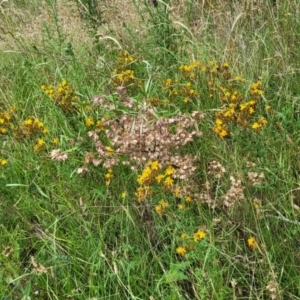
column 39, row 146
column 188, row 242
column 161, row 207
column 123, row 75
column 235, row 193
column 153, row 175
column 238, row 106
column 215, row 169
column 190, row 71
column 108, row 176
column 236, row 109
column 257, row 126
column 256, row 178
column 5, row 119
column 184, row 89
column 63, row 95
column 30, row 127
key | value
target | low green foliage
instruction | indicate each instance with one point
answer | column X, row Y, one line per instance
column 165, row 169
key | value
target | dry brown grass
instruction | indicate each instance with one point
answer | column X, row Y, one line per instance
column 19, row 25
column 26, row 25
column 22, row 24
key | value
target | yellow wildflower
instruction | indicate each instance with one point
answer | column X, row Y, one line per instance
column 55, row 141
column 267, row 108
column 181, row 251
column 159, row 178
column 184, row 236
column 262, row 121
column 108, row 176
column 161, row 207
column 110, row 150
column 89, row 122
column 159, row 210
column 142, row 193
column 188, row 199
column 252, row 243
column 177, row 192
column 169, row 171
column 168, row 181
column 181, row 206
column 28, row 122
column 145, row 176
column 199, row 235
column 39, row 145
column 168, row 82
column 256, row 126
column 226, row 65
column 3, row 162
column 163, row 203
column 154, row 165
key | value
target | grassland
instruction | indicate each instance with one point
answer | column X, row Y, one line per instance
column 149, row 152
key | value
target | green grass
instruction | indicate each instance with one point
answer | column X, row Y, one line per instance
column 66, row 235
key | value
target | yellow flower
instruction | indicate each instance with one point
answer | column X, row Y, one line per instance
column 145, row 176
column 154, row 165
column 55, row 141
column 181, row 251
column 164, row 204
column 142, row 193
column 3, row 162
column 161, row 207
column 108, row 176
column 177, row 192
column 219, row 122
column 168, row 181
column 252, row 243
column 226, row 65
column 188, row 199
column 181, row 206
column 267, row 108
column 39, row 145
column 159, row 210
column 28, row 122
column 168, row 82
column 89, row 122
column 169, row 171
column 262, row 121
column 123, row 195
column 159, row 178
column 256, row 126
column 110, row 150
column 184, row 236
column 99, row 125
column 199, row 235
column 257, row 203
